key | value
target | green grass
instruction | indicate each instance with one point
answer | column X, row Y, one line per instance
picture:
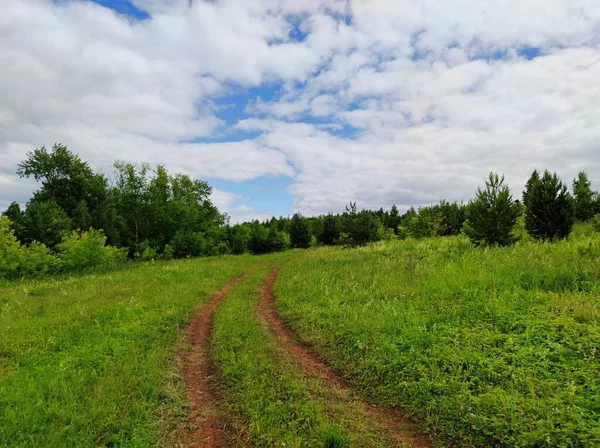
column 485, row 347
column 88, row 360
column 264, row 386
column 261, row 387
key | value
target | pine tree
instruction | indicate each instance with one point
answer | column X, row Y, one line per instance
column 550, row 210
column 277, row 241
column 584, row 197
column 394, row 219
column 533, row 180
column 331, row 230
column 299, row 232
column 492, row 215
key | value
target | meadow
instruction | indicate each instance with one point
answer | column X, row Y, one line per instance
column 479, row 346
column 483, row 346
column 88, row 360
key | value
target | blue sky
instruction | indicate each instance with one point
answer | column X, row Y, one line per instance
column 288, row 106
column 263, row 195
column 124, row 7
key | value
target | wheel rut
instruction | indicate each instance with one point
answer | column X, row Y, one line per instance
column 403, row 432
column 201, row 427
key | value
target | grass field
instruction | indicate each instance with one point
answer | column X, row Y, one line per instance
column 87, row 361
column 482, row 347
column 264, row 387
column 486, row 347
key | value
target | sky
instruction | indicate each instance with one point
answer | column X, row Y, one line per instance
column 305, row 105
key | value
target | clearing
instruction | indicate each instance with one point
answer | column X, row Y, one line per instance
column 370, row 347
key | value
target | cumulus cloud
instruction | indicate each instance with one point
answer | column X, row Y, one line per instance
column 378, row 101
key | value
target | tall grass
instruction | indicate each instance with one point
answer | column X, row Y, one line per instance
column 486, row 347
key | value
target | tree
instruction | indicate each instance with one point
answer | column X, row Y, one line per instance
column 492, row 215
column 44, row 222
column 238, row 239
column 258, row 241
column 550, row 210
column 584, row 197
column 358, row 228
column 299, row 232
column 331, row 230
column 393, row 219
column 15, row 216
column 66, row 180
column 277, row 241
column 132, row 200
column 533, row 180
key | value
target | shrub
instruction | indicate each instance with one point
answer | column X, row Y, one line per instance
column 40, row 260
column 80, row 250
column 11, row 251
column 17, row 259
column 167, row 252
column 148, row 254
column 188, row 244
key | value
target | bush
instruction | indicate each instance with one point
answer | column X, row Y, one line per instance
column 11, row 251
column 167, row 252
column 16, row 259
column 39, row 260
column 80, row 250
column 188, row 244
column 148, row 254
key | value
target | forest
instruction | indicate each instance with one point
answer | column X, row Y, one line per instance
column 80, row 219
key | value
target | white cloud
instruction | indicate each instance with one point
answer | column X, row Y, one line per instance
column 224, row 200
column 402, row 101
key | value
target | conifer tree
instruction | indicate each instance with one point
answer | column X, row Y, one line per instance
column 492, row 214
column 584, row 197
column 331, row 230
column 533, row 180
column 550, row 210
column 299, row 232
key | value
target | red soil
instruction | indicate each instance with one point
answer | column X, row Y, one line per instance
column 202, row 430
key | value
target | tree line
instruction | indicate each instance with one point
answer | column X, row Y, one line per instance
column 78, row 218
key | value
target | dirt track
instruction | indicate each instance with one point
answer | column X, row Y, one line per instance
column 403, row 432
column 202, row 430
